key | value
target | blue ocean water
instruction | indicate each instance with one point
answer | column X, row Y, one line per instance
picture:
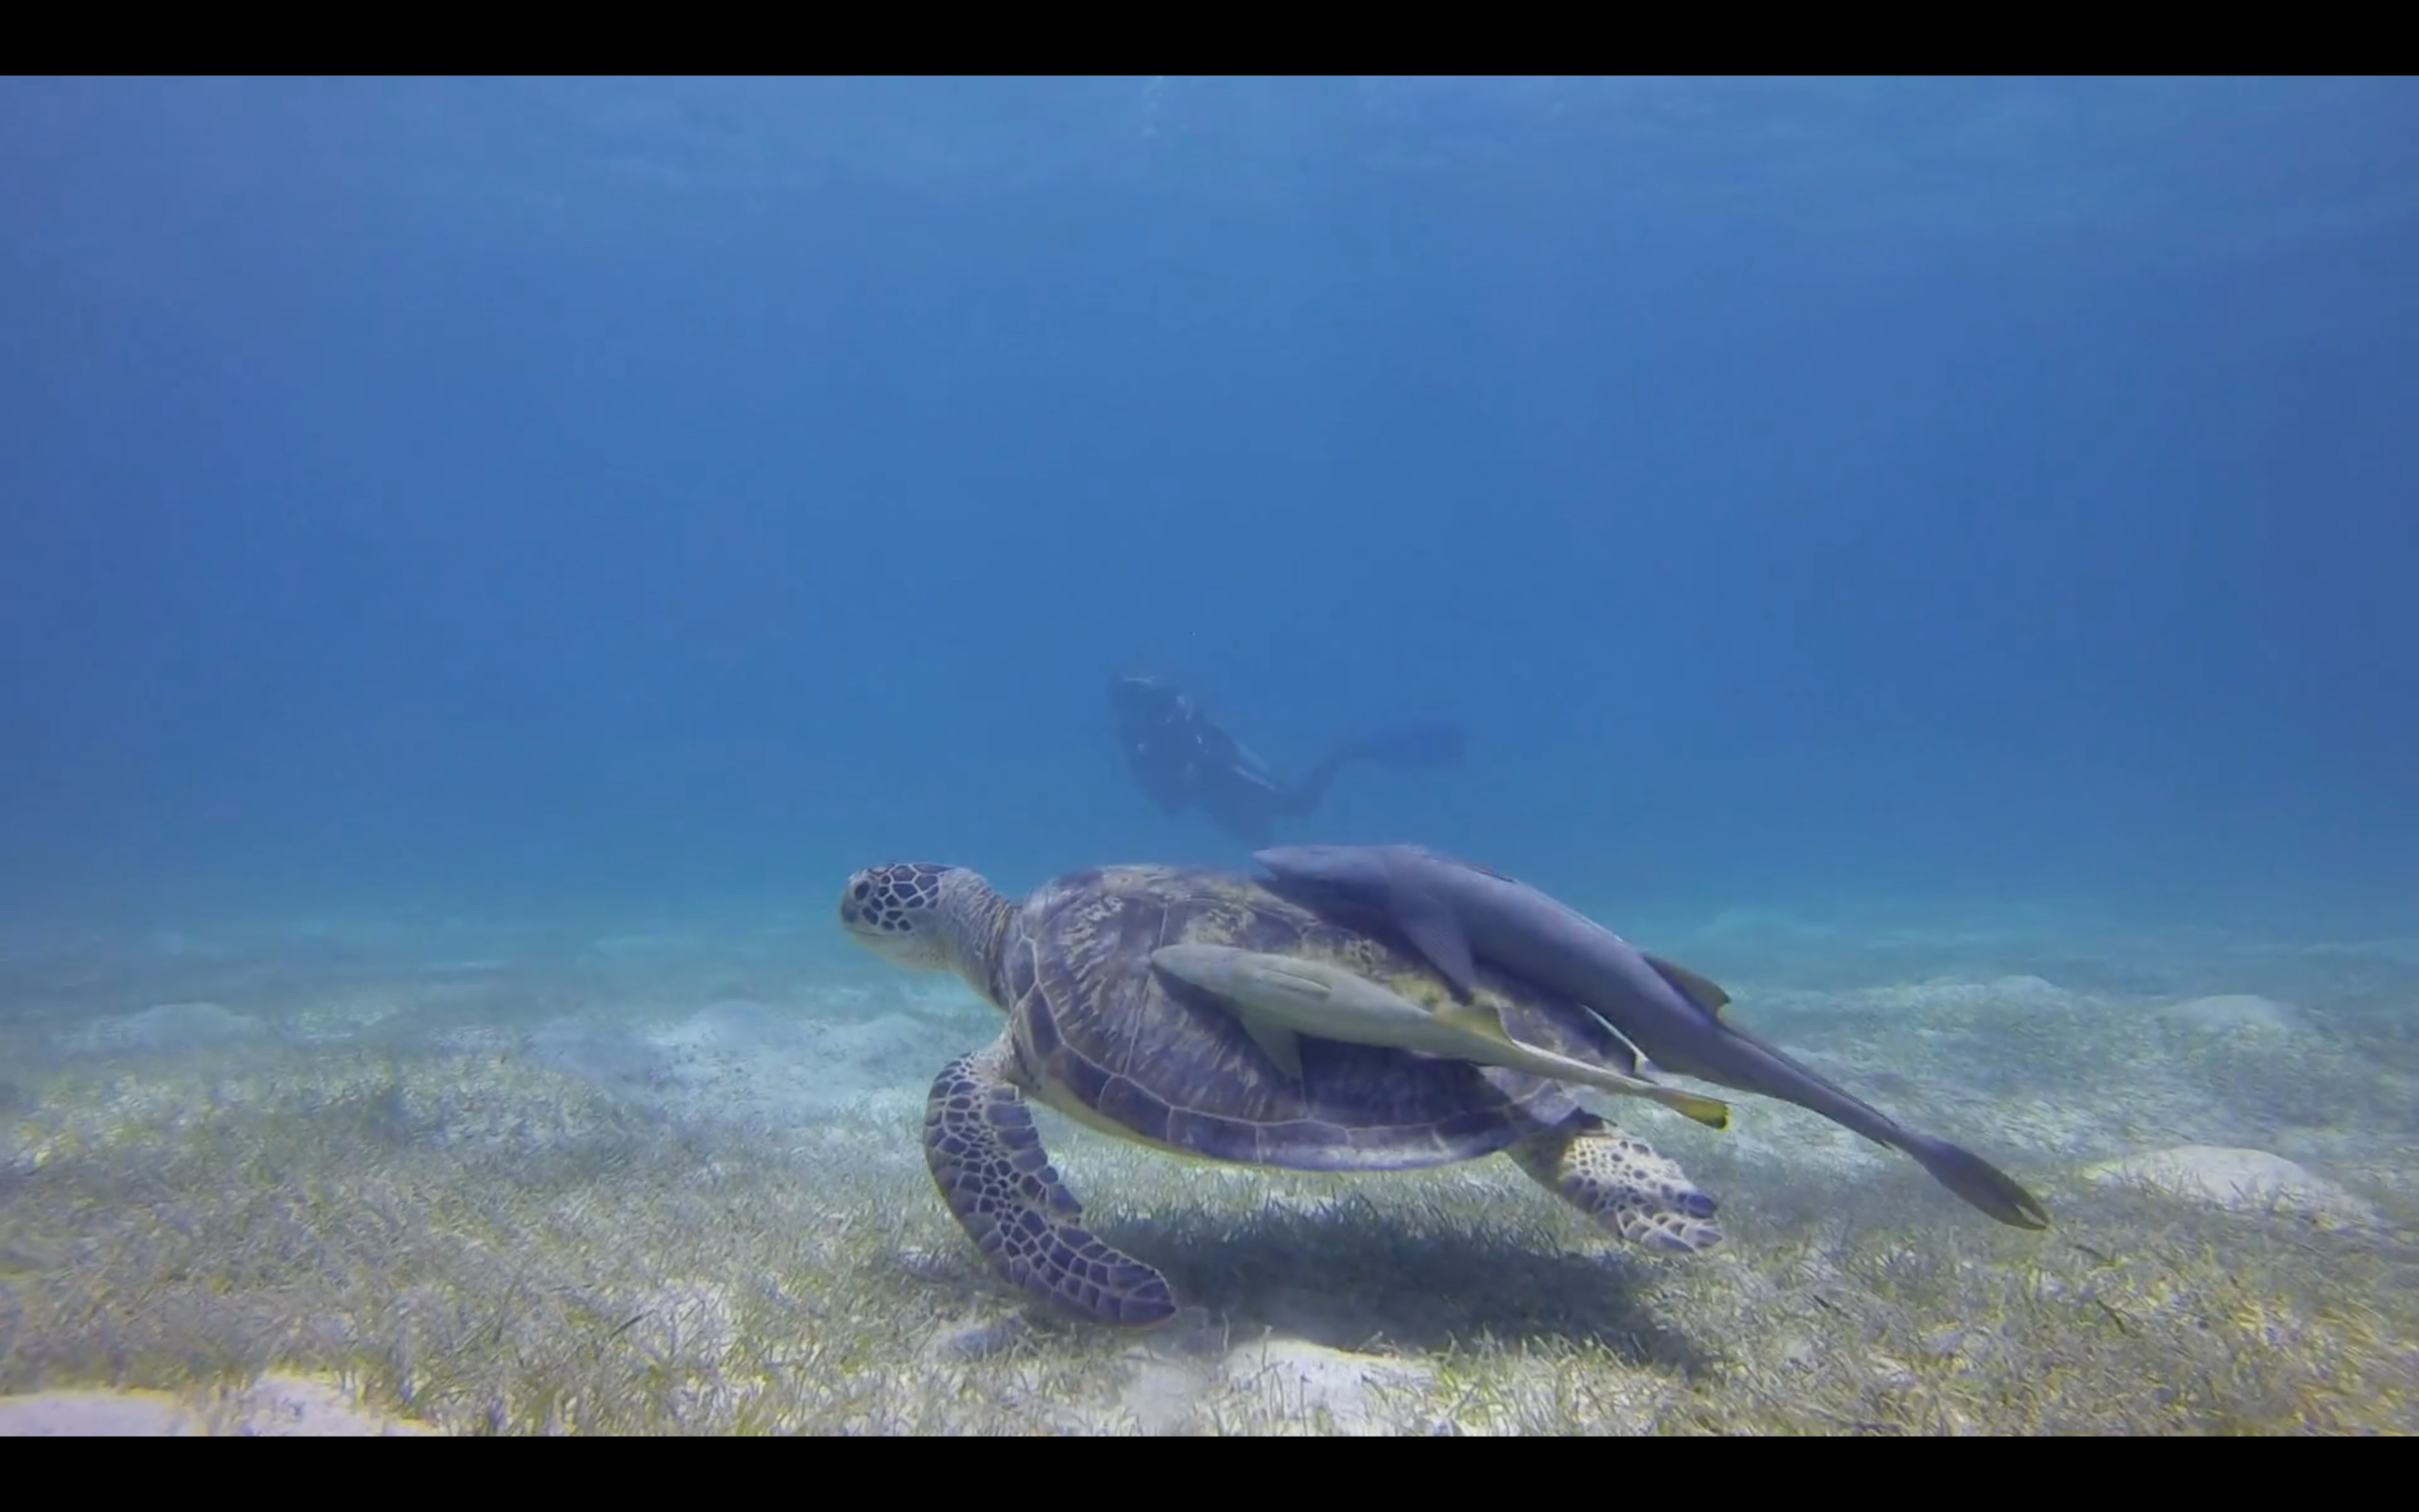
column 507, row 493
column 481, row 561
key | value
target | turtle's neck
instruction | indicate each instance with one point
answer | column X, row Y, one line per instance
column 980, row 916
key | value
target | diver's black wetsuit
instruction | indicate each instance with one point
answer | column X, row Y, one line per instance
column 1183, row 759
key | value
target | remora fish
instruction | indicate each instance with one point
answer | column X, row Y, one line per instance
column 1455, row 912
column 1280, row 996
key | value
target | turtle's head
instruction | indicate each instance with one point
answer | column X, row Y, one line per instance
column 928, row 918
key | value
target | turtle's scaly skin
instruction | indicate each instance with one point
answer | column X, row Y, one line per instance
column 1093, row 1031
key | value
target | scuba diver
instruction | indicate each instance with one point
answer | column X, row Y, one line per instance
column 1184, row 758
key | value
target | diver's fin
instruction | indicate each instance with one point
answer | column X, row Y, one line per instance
column 1694, row 988
column 1428, row 924
column 1278, row 1043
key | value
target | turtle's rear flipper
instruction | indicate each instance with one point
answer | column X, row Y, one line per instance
column 1622, row 1183
column 988, row 1159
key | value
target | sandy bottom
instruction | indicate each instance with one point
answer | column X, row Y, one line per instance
column 419, row 1176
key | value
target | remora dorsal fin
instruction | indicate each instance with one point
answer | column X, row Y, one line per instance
column 1694, row 988
column 1278, row 1043
column 1429, row 925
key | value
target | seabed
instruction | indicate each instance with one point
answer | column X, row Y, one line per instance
column 436, row 1178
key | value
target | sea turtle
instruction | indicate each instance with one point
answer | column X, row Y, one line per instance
column 1094, row 1031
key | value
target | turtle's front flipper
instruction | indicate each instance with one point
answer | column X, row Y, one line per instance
column 987, row 1157
column 1622, row 1183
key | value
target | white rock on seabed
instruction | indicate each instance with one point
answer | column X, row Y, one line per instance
column 274, row 1406
column 2237, row 1013
column 169, row 1027
column 1305, row 1382
column 2243, row 1181
column 1294, row 1383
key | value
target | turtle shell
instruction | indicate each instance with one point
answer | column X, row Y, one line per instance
column 1117, row 1044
